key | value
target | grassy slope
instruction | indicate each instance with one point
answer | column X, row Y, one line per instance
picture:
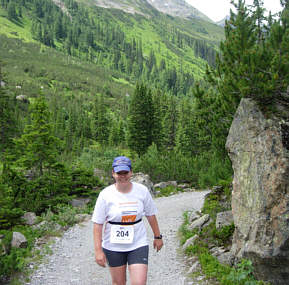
column 149, row 31
column 23, row 59
column 33, row 65
column 20, row 30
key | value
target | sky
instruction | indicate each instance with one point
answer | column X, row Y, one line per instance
column 216, row 10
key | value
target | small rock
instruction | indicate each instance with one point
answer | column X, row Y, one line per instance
column 190, row 241
column 195, row 267
column 194, row 216
column 199, row 222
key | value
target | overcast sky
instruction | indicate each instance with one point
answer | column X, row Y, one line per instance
column 218, row 9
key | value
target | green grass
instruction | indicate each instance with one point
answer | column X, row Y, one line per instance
column 19, row 30
column 167, row 191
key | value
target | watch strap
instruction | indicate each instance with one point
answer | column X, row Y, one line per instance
column 158, row 237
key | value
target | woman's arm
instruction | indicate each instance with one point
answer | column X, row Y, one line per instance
column 97, row 236
column 158, row 243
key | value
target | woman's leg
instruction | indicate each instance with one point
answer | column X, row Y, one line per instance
column 138, row 265
column 118, row 275
column 138, row 274
column 117, row 262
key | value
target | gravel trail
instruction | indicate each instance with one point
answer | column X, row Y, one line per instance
column 72, row 261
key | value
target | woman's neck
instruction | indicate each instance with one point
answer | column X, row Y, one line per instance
column 123, row 188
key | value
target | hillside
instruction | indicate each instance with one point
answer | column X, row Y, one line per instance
column 131, row 45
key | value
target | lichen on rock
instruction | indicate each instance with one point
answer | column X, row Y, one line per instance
column 258, row 148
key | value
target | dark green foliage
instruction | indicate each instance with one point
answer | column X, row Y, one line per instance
column 9, row 213
column 12, row 14
column 84, row 183
column 224, row 235
column 37, row 147
column 16, row 258
column 140, row 121
column 7, row 120
column 100, row 123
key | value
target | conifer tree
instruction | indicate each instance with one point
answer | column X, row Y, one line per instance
column 140, row 119
column 7, row 121
column 169, row 122
column 12, row 14
column 37, row 147
column 9, row 213
column 185, row 135
column 157, row 130
column 100, row 123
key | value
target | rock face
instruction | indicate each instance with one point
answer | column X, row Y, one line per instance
column 259, row 152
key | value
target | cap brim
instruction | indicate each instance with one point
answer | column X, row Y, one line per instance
column 121, row 168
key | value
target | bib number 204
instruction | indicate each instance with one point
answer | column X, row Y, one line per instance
column 122, row 233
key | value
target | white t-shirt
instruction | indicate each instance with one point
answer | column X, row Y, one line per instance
column 114, row 206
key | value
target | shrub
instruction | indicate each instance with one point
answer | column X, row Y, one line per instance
column 83, row 182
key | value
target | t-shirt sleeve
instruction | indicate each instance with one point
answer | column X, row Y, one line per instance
column 149, row 205
column 99, row 213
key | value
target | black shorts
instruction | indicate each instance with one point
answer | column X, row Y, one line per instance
column 119, row 258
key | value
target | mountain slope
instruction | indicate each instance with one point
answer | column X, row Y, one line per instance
column 175, row 8
column 169, row 52
column 179, row 8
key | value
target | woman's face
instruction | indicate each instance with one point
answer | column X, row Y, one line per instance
column 122, row 177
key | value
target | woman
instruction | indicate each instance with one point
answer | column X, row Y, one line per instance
column 119, row 232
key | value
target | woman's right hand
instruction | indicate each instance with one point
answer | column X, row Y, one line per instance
column 100, row 258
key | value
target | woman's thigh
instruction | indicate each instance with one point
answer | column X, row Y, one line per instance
column 137, row 265
column 118, row 275
column 138, row 274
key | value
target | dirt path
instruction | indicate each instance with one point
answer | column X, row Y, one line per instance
column 72, row 261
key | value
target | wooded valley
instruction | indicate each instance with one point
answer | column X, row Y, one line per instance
column 81, row 84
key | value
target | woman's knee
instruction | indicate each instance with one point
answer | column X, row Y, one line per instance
column 119, row 283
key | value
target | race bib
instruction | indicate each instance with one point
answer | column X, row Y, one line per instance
column 121, row 234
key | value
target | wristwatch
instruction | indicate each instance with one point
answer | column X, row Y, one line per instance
column 159, row 237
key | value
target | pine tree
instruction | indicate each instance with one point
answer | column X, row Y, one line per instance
column 7, row 121
column 12, row 14
column 9, row 213
column 186, row 135
column 169, row 122
column 140, row 123
column 157, row 129
column 100, row 123
column 37, row 147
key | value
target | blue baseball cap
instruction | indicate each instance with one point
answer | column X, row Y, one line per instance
column 121, row 163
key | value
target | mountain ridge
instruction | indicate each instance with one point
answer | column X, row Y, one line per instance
column 175, row 8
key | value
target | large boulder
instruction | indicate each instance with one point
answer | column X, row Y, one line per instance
column 145, row 180
column 259, row 151
column 79, row 202
column 29, row 218
column 19, row 240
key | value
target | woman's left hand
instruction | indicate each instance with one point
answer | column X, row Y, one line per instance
column 158, row 244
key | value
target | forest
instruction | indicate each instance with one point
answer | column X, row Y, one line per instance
column 61, row 117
